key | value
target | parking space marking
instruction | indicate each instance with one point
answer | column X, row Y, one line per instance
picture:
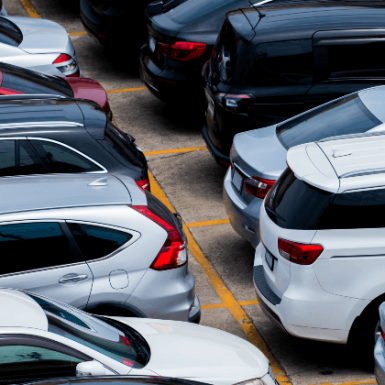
column 363, row 381
column 175, row 151
column 126, row 90
column 224, row 293
column 30, row 8
column 219, row 305
column 208, row 223
column 77, row 33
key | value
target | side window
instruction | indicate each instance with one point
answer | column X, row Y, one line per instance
column 35, row 246
column 60, row 159
column 29, row 162
column 26, row 362
column 291, row 61
column 96, row 241
column 7, row 158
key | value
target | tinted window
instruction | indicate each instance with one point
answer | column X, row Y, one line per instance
column 291, row 60
column 29, row 82
column 29, row 162
column 95, row 241
column 9, row 33
column 7, row 158
column 29, row 246
column 60, row 159
column 341, row 117
column 294, row 204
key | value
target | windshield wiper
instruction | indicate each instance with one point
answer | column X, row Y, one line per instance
column 269, row 210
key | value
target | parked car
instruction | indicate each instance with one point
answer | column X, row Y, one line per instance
column 182, row 34
column 117, row 250
column 258, row 157
column 39, row 330
column 112, row 22
column 379, row 350
column 322, row 243
column 297, row 56
column 51, row 134
column 17, row 80
column 37, row 44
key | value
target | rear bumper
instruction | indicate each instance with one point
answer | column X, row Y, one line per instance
column 91, row 22
column 221, row 159
column 379, row 361
column 243, row 218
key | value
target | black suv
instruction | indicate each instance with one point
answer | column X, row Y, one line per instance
column 273, row 62
column 51, row 134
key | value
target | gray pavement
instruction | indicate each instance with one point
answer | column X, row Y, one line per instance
column 193, row 183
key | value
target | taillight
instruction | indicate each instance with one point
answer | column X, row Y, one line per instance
column 143, row 183
column 173, row 253
column 67, row 65
column 62, row 58
column 258, row 187
column 299, row 253
column 383, row 334
column 182, row 51
column 233, row 100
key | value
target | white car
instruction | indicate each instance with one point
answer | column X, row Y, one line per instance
column 37, row 44
column 319, row 269
column 38, row 335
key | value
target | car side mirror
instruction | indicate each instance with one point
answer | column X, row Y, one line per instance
column 90, row 368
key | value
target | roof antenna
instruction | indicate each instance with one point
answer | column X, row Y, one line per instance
column 258, row 4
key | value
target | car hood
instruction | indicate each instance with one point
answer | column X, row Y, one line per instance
column 259, row 153
column 190, row 351
column 43, row 36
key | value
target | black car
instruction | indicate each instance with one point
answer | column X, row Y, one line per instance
column 182, row 34
column 51, row 134
column 113, row 23
column 282, row 59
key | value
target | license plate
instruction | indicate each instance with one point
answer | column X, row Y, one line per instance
column 270, row 260
column 152, row 44
column 237, row 180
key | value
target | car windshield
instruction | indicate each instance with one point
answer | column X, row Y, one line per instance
column 109, row 337
column 344, row 116
column 30, row 82
column 10, row 34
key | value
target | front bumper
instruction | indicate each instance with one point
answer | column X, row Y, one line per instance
column 379, row 361
column 243, row 218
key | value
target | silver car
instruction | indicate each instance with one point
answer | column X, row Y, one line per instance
column 37, row 44
column 379, row 349
column 97, row 242
column 258, row 157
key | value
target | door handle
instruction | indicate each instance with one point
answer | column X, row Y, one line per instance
column 73, row 278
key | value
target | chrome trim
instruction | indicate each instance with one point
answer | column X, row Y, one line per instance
column 370, row 171
column 41, row 124
column 247, row 176
column 352, row 136
column 261, row 3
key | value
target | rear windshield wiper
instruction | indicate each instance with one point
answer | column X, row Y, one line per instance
column 269, row 210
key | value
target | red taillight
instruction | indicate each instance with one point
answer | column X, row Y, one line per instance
column 299, row 253
column 173, row 253
column 144, row 183
column 383, row 334
column 258, row 187
column 63, row 57
column 182, row 51
column 74, row 75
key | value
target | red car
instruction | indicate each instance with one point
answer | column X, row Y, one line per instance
column 16, row 80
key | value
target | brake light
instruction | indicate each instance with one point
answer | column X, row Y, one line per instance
column 173, row 253
column 75, row 74
column 233, row 100
column 143, row 183
column 67, row 65
column 182, row 51
column 258, row 187
column 383, row 334
column 63, row 57
column 299, row 253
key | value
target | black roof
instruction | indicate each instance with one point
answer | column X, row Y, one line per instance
column 295, row 19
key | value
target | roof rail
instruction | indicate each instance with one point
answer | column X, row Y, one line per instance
column 352, row 136
column 369, row 171
column 31, row 97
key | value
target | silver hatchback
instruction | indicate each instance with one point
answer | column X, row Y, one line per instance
column 96, row 242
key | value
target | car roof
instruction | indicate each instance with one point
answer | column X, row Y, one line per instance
column 301, row 19
column 337, row 165
column 51, row 191
column 19, row 310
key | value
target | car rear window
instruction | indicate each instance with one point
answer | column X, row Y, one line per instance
column 29, row 82
column 294, row 204
column 10, row 34
column 347, row 115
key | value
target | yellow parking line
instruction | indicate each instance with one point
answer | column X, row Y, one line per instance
column 30, row 8
column 208, row 223
column 220, row 305
column 363, row 381
column 224, row 293
column 77, row 33
column 126, row 90
column 175, row 151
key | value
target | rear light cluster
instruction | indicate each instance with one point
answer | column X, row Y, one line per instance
column 258, row 187
column 231, row 101
column 182, row 51
column 299, row 253
column 143, row 183
column 67, row 65
column 173, row 253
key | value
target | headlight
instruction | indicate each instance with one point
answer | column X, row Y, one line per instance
column 253, row 381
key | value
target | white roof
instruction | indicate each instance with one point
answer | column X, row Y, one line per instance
column 18, row 309
column 339, row 165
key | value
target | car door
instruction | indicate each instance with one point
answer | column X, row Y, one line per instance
column 346, row 61
column 39, row 256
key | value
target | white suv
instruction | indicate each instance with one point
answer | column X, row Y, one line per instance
column 319, row 269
